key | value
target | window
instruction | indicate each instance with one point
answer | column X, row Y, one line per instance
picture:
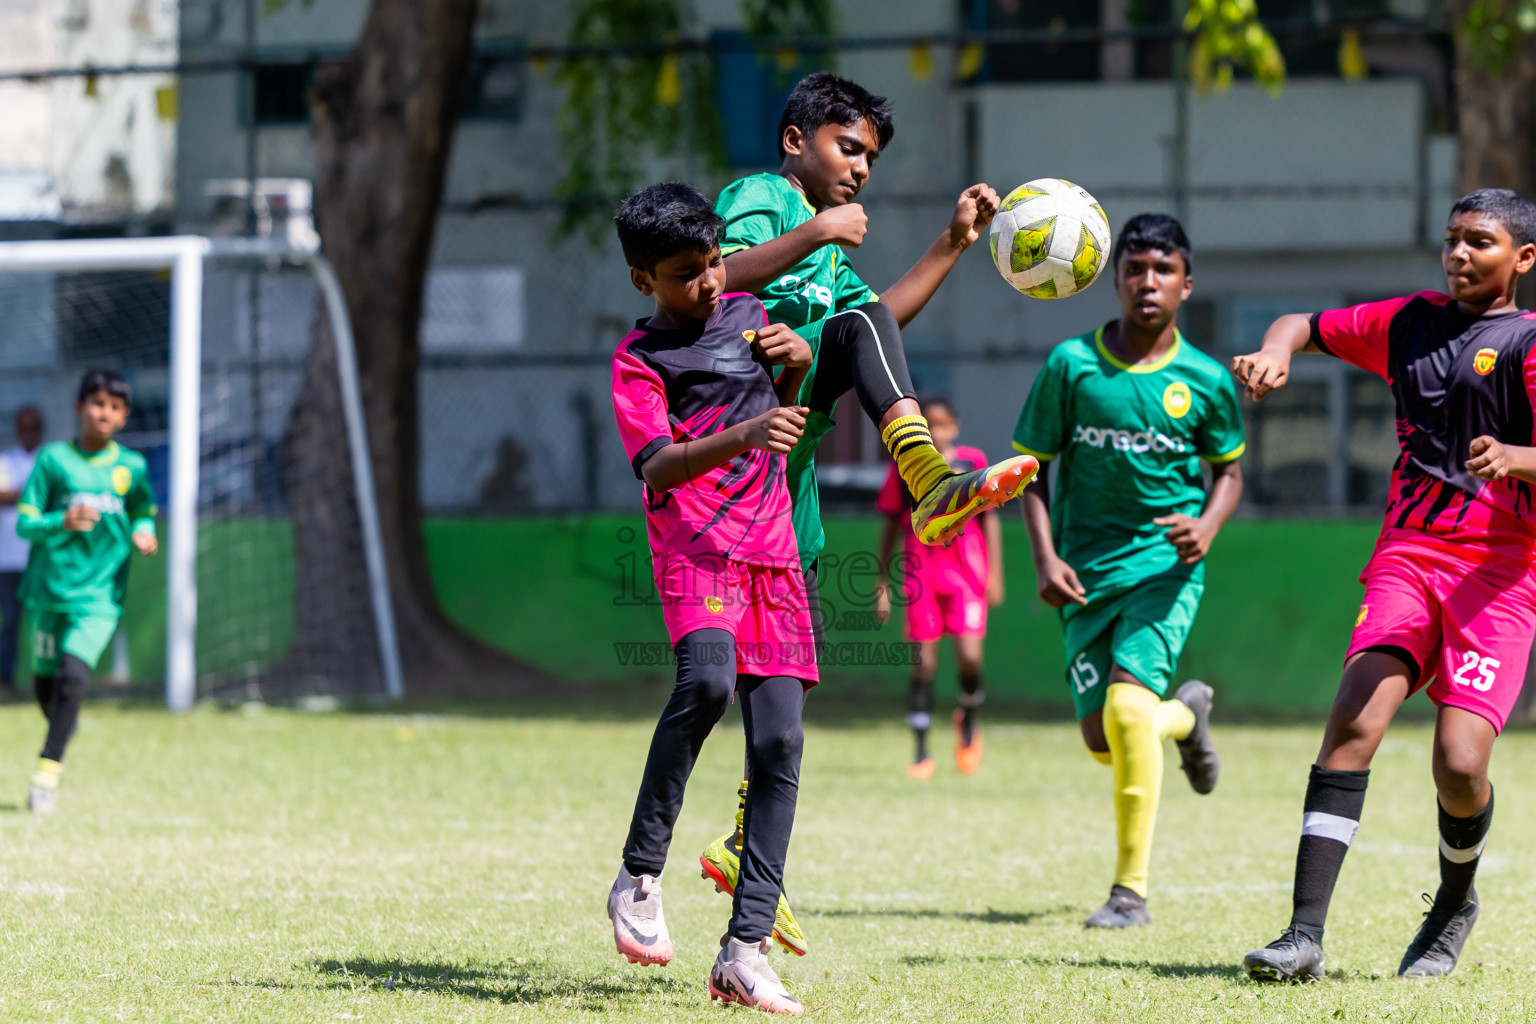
column 1036, row 62
column 282, row 92
column 750, row 88
column 495, row 87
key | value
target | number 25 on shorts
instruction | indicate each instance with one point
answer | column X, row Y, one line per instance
column 1471, row 661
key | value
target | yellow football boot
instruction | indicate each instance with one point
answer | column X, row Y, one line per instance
column 721, row 863
column 954, row 501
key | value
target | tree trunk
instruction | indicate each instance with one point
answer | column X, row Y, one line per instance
column 384, row 119
column 1495, row 114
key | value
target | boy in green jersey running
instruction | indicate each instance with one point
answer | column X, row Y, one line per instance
column 783, row 242
column 85, row 508
column 1129, row 411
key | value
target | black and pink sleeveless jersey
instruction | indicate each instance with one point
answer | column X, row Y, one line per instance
column 682, row 385
column 1455, row 378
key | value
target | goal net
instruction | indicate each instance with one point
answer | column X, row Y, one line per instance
column 244, row 382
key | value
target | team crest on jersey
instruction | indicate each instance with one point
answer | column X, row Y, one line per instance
column 122, row 479
column 1365, row 610
column 714, row 604
column 1484, row 360
column 1176, row 399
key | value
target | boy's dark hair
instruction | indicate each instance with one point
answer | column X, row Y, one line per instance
column 659, row 221
column 1154, row 231
column 109, row 381
column 1516, row 213
column 936, row 399
column 824, row 98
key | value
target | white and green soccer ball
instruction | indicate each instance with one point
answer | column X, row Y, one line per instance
column 1050, row 239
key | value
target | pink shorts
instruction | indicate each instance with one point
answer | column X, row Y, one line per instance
column 764, row 608
column 934, row 614
column 1467, row 631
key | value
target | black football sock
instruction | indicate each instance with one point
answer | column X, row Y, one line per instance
column 706, row 678
column 1329, row 819
column 1461, row 847
column 68, row 695
column 920, row 706
column 971, row 696
column 42, row 689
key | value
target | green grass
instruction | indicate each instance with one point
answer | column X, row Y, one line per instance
column 446, row 867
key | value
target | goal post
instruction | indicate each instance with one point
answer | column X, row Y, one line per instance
column 186, row 259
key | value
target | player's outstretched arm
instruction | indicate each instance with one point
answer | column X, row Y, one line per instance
column 973, row 212
column 1269, row 368
column 1056, row 581
column 1192, row 536
column 752, row 270
column 1494, row 460
column 774, row 431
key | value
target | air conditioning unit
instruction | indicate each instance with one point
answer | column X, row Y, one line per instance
column 283, row 207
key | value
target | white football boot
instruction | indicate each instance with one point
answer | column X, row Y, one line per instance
column 743, row 975
column 639, row 929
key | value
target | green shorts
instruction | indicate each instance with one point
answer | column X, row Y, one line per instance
column 1142, row 630
column 82, row 634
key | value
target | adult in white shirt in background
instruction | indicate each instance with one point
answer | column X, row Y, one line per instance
column 15, row 467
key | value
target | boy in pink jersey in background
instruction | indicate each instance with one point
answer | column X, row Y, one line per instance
column 1450, row 591
column 706, row 428
column 947, row 591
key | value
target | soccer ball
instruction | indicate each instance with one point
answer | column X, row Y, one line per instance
column 1050, row 239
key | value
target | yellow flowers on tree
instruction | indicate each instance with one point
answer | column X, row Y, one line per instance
column 648, row 97
column 1228, row 38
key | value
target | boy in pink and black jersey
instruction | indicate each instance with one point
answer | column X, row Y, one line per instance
column 1450, row 591
column 701, row 420
column 947, row 591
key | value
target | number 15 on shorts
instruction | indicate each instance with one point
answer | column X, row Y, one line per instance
column 1483, row 668
column 1084, row 676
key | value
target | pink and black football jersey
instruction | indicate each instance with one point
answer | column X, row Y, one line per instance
column 1455, row 378
column 671, row 386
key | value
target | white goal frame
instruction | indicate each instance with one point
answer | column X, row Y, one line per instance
column 184, row 256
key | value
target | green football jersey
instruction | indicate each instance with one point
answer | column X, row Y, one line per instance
column 75, row 572
column 1130, row 440
column 758, row 209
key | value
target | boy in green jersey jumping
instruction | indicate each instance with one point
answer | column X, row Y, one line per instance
column 85, row 508
column 1130, row 411
column 784, row 238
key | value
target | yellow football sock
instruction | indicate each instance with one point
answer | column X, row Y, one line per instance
column 1131, row 726
column 1102, row 756
column 741, row 814
column 1174, row 720
column 917, row 460
column 48, row 773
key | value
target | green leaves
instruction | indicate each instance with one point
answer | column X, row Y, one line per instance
column 624, row 110
column 651, row 99
column 1227, row 38
column 1490, row 31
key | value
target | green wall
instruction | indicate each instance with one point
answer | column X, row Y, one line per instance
column 561, row 593
column 1280, row 601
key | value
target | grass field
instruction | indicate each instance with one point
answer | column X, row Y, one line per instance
column 442, row 867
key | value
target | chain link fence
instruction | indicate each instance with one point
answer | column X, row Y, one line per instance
column 516, row 435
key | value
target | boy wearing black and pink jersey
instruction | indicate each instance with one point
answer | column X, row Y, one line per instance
column 1450, row 591
column 702, row 422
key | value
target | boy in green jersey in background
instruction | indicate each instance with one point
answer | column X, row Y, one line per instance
column 85, row 508
column 783, row 242
column 1130, row 410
